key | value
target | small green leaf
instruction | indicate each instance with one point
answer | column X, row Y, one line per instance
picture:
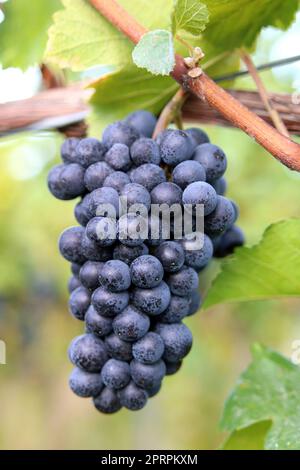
column 268, row 270
column 269, row 390
column 155, row 52
column 249, row 438
column 81, row 37
column 23, row 33
column 189, row 15
column 236, row 23
column 117, row 94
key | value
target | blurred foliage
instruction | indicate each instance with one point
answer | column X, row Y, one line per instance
column 23, row 33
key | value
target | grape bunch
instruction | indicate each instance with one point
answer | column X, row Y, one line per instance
column 133, row 292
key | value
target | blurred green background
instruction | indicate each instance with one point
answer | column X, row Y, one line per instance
column 38, row 411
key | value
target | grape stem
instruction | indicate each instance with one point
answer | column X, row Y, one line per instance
column 274, row 115
column 280, row 146
column 171, row 112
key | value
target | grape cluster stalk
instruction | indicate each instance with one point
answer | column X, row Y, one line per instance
column 132, row 292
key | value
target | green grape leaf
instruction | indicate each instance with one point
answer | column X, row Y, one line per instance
column 117, row 94
column 269, row 390
column 268, row 270
column 80, row 37
column 155, row 52
column 236, row 23
column 23, row 33
column 189, row 15
column 250, row 438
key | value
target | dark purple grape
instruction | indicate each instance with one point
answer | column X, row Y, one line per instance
column 107, row 401
column 79, row 302
column 143, row 121
column 66, row 181
column 119, row 133
column 177, row 339
column 118, row 157
column 213, row 159
column 145, row 150
column 89, row 151
column 85, row 384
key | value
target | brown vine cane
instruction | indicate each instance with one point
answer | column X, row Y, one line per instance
column 281, row 147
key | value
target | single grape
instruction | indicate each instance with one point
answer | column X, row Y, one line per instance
column 129, row 253
column 177, row 339
column 171, row 255
column 175, row 147
column 104, row 202
column 148, row 349
column 107, row 402
column 131, row 324
column 236, row 211
column 96, row 174
column 220, row 186
column 223, row 216
column 94, row 252
column 117, row 348
column 132, row 397
column 152, row 301
column 119, row 133
column 69, row 150
column 85, row 384
column 195, row 302
column 151, row 392
column 194, row 257
column 102, row 230
column 115, row 276
column 213, row 159
column 136, row 194
column 183, row 282
column 88, row 352
column 70, row 245
column 172, row 367
column 97, row 324
column 143, row 121
column 148, row 175
column 231, row 239
column 79, row 302
column 146, row 271
column 188, row 172
column 66, row 181
column 166, row 193
column 178, row 309
column 109, row 303
column 132, row 229
column 89, row 274
column 200, row 193
column 147, row 376
column 118, row 157
column 117, row 180
column 75, row 268
column 81, row 211
column 115, row 374
column 73, row 283
column 145, row 150
column 197, row 135
column 89, row 151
